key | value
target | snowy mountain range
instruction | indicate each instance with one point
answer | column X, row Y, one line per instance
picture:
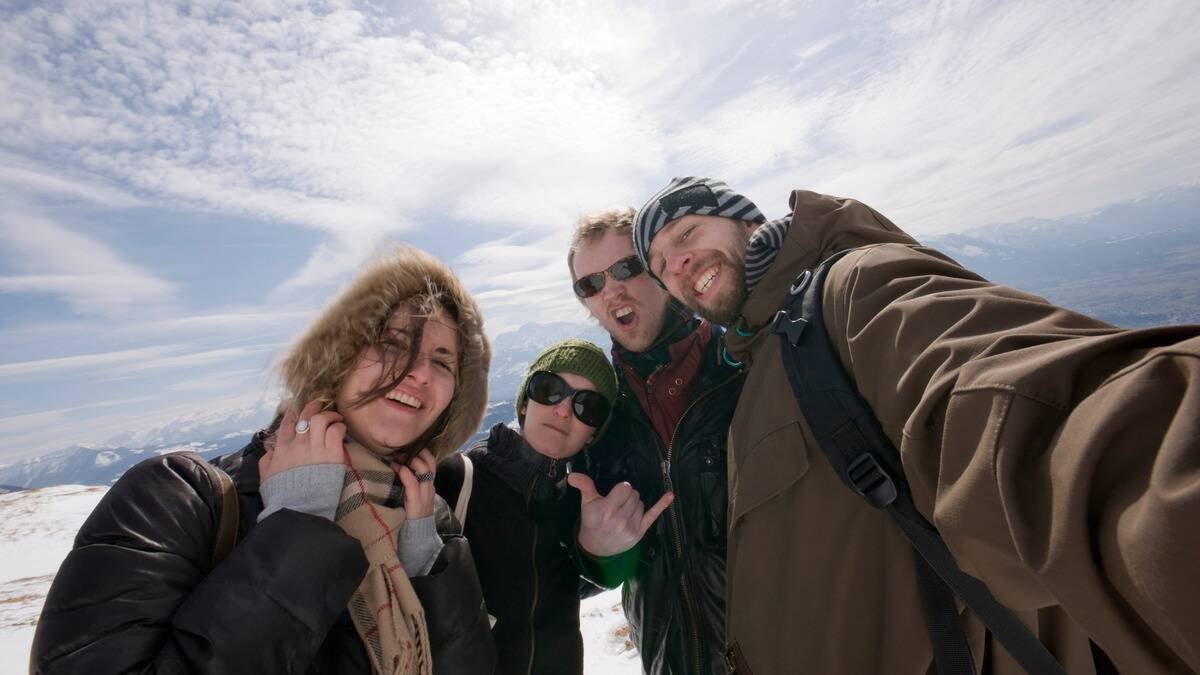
column 1132, row 264
column 217, row 432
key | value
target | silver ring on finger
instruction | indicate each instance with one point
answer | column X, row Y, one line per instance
column 302, row 427
column 425, row 477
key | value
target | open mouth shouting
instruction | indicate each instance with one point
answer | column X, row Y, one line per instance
column 624, row 315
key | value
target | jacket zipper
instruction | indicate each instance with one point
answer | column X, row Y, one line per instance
column 533, row 607
column 552, row 473
column 669, row 485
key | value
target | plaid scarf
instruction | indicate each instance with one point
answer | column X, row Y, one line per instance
column 385, row 608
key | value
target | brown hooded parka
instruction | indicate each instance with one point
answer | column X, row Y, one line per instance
column 1059, row 457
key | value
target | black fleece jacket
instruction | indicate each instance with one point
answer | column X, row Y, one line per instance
column 138, row 592
column 520, row 521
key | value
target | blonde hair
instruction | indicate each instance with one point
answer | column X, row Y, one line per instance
column 329, row 349
column 593, row 227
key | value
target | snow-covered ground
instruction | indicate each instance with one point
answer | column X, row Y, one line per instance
column 36, row 530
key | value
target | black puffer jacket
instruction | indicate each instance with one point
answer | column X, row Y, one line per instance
column 674, row 592
column 520, row 517
column 136, row 593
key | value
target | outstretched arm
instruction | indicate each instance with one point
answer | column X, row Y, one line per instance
column 1058, row 456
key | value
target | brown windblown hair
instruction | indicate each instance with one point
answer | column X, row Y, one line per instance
column 404, row 278
column 595, row 226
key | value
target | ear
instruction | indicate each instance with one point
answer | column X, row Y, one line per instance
column 522, row 410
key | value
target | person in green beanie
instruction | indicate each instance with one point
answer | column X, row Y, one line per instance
column 519, row 514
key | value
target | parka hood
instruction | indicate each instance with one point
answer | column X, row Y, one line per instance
column 329, row 349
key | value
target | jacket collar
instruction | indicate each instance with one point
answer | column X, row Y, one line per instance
column 506, row 454
column 820, row 226
column 712, row 368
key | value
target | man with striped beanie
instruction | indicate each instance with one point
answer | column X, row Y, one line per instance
column 1039, row 442
column 704, row 200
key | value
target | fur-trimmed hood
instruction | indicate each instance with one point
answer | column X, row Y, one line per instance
column 329, row 349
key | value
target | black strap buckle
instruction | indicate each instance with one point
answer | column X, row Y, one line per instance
column 783, row 323
column 872, row 481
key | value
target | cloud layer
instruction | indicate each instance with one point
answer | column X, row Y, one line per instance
column 483, row 129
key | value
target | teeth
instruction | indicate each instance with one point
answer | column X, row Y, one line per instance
column 407, row 399
column 624, row 311
column 702, row 283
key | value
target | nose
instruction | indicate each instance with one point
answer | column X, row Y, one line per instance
column 422, row 368
column 612, row 287
column 678, row 263
column 563, row 408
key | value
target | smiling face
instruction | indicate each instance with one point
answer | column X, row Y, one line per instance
column 632, row 311
column 702, row 262
column 553, row 430
column 400, row 416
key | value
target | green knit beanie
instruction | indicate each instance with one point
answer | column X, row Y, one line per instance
column 581, row 358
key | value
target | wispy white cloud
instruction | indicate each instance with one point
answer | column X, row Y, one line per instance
column 484, row 128
column 200, row 358
column 53, row 418
column 518, row 283
column 90, row 275
column 971, row 112
column 224, row 380
column 131, row 361
column 81, row 361
column 19, row 175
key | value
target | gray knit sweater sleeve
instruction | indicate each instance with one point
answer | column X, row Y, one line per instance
column 419, row 545
column 316, row 488
column 313, row 489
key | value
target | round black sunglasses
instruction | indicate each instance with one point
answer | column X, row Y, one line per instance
column 548, row 388
column 590, row 284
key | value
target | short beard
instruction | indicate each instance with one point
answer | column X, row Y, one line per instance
column 726, row 310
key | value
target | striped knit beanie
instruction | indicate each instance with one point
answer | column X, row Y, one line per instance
column 685, row 196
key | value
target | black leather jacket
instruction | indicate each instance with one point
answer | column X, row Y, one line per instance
column 674, row 592
column 137, row 593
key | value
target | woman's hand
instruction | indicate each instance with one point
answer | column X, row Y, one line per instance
column 417, row 479
column 321, row 444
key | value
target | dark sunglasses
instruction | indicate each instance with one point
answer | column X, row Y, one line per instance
column 625, row 268
column 549, row 389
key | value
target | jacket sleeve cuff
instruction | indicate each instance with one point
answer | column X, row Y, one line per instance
column 418, row 545
column 605, row 571
column 313, row 489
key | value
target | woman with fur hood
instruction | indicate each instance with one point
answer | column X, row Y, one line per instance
column 338, row 566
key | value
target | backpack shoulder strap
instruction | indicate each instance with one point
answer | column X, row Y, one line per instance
column 851, row 439
column 227, row 527
column 464, row 493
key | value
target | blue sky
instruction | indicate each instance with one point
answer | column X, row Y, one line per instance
column 183, row 185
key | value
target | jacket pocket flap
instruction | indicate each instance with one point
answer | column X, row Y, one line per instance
column 773, row 462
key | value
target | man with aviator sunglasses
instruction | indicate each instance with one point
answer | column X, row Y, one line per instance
column 653, row 502
column 520, row 515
